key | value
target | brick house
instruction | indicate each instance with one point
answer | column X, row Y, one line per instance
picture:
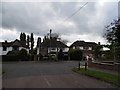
column 86, row 47
column 47, row 47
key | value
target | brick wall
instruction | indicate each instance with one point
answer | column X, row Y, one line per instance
column 115, row 67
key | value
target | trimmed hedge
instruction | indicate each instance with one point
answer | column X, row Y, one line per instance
column 75, row 54
column 21, row 55
column 14, row 57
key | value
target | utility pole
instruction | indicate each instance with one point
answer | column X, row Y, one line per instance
column 50, row 42
column 114, row 49
column 39, row 45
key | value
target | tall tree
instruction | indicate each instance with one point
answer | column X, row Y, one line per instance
column 32, row 41
column 38, row 41
column 23, row 38
column 28, row 41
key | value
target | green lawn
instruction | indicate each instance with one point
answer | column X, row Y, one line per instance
column 115, row 79
column 2, row 71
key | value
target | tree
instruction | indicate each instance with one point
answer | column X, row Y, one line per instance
column 113, row 31
column 54, row 37
column 98, row 51
column 28, row 41
column 113, row 36
column 32, row 42
column 38, row 41
column 60, row 54
column 23, row 38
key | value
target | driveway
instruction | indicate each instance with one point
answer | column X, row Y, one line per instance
column 47, row 75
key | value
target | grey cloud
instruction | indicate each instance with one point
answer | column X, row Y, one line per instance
column 40, row 17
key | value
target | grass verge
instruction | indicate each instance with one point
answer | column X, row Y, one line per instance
column 114, row 79
column 2, row 71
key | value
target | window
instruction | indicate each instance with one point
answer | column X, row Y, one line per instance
column 4, row 48
column 15, row 48
column 86, row 48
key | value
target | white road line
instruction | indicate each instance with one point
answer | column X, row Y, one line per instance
column 47, row 82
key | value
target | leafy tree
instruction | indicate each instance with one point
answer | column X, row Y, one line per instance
column 113, row 31
column 32, row 42
column 113, row 36
column 98, row 51
column 54, row 37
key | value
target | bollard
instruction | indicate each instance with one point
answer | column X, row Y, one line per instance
column 85, row 66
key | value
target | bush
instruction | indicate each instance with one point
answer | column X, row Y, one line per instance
column 23, row 55
column 75, row 54
column 54, row 58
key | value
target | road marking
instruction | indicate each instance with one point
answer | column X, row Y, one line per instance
column 47, row 81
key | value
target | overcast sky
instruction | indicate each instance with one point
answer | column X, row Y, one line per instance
column 39, row 17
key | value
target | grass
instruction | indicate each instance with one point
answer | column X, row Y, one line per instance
column 114, row 79
column 2, row 71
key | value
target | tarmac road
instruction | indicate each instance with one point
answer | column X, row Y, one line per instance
column 47, row 75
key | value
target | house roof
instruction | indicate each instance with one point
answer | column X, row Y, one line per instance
column 13, row 43
column 53, row 44
column 83, row 43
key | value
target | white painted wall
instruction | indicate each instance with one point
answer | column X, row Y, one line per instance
column 38, row 50
column 0, row 50
column 7, row 50
column 10, row 49
column 90, row 48
column 81, row 48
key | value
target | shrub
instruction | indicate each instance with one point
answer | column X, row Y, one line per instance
column 12, row 57
column 23, row 55
column 54, row 58
column 75, row 54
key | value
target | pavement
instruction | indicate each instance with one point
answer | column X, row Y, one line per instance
column 47, row 75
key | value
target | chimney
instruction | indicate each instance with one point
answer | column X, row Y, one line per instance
column 98, row 43
column 5, row 41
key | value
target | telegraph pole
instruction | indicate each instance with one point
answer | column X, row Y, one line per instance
column 50, row 42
